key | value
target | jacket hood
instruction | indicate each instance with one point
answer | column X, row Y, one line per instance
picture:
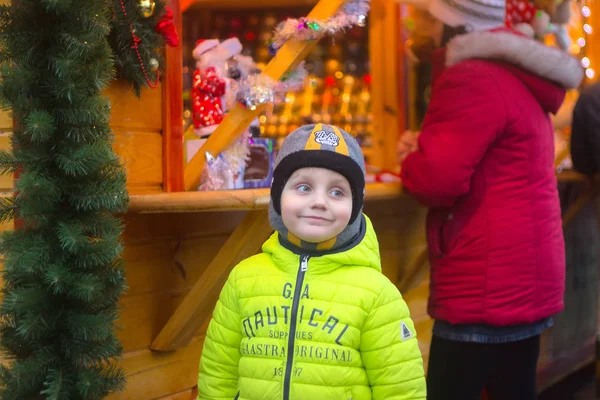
column 546, row 71
column 364, row 253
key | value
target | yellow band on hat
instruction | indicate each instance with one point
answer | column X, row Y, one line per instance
column 312, row 144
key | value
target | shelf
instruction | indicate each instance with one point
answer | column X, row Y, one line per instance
column 571, row 176
column 256, row 199
column 230, row 200
column 244, row 4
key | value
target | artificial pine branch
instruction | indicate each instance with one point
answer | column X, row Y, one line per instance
column 138, row 73
column 62, row 277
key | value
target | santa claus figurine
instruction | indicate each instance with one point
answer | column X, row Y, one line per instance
column 210, row 82
column 207, row 88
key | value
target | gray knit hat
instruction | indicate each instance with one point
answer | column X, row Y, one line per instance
column 319, row 146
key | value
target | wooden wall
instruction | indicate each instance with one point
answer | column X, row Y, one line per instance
column 166, row 253
column 137, row 125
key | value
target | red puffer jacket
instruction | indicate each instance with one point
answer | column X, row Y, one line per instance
column 485, row 166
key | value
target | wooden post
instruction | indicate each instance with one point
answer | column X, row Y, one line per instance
column 578, row 205
column 245, row 241
column 173, row 112
column 239, row 118
column 412, row 276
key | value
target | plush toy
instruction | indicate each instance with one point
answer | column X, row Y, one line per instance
column 208, row 87
column 559, row 21
column 538, row 18
column 211, row 82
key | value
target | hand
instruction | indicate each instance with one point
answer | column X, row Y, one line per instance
column 407, row 143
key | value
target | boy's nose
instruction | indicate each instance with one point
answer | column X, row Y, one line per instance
column 320, row 200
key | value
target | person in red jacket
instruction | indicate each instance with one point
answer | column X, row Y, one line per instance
column 484, row 165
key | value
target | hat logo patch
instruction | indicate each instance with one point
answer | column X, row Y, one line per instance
column 327, row 138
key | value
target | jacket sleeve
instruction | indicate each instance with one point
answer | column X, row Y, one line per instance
column 585, row 132
column 218, row 378
column 465, row 116
column 390, row 350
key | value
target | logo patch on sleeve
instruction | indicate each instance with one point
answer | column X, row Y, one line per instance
column 327, row 138
column 405, row 332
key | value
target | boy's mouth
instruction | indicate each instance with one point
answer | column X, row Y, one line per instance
column 315, row 218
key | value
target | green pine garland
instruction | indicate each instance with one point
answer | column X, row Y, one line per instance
column 129, row 68
column 62, row 276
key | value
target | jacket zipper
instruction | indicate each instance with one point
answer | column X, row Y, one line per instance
column 293, row 322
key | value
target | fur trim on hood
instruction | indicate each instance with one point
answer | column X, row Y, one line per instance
column 546, row 62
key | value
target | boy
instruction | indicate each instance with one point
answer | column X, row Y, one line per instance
column 312, row 316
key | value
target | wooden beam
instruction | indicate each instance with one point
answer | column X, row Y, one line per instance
column 411, row 277
column 238, row 119
column 172, row 92
column 245, row 241
column 229, row 200
column 578, row 205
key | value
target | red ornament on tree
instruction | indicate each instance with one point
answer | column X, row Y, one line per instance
column 166, row 28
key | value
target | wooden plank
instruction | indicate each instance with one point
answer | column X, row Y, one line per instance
column 188, row 394
column 245, row 241
column 141, row 153
column 133, row 113
column 152, row 375
column 173, row 111
column 579, row 204
column 244, row 4
column 414, row 273
column 227, row 200
column 239, row 118
column 384, row 87
column 6, row 121
column 6, row 180
column 156, row 228
column 159, row 278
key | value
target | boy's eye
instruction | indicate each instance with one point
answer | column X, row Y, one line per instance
column 303, row 188
column 337, row 193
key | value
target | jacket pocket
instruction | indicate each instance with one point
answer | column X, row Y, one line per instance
column 439, row 227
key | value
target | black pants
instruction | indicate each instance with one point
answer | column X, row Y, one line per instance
column 461, row 370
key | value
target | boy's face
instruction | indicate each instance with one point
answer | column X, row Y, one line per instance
column 316, row 204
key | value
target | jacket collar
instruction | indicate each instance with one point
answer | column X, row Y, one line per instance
column 513, row 48
column 362, row 251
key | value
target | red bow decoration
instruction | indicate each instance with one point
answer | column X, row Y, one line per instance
column 166, row 28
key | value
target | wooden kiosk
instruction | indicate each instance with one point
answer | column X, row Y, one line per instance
column 180, row 245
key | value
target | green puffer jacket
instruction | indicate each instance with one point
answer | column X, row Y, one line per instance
column 350, row 330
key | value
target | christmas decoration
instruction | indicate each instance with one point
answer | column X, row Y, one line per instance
column 539, row 18
column 61, row 277
column 354, row 13
column 580, row 46
column 147, row 8
column 258, row 89
column 166, row 27
column 137, row 36
column 208, row 86
column 226, row 171
column 153, row 64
